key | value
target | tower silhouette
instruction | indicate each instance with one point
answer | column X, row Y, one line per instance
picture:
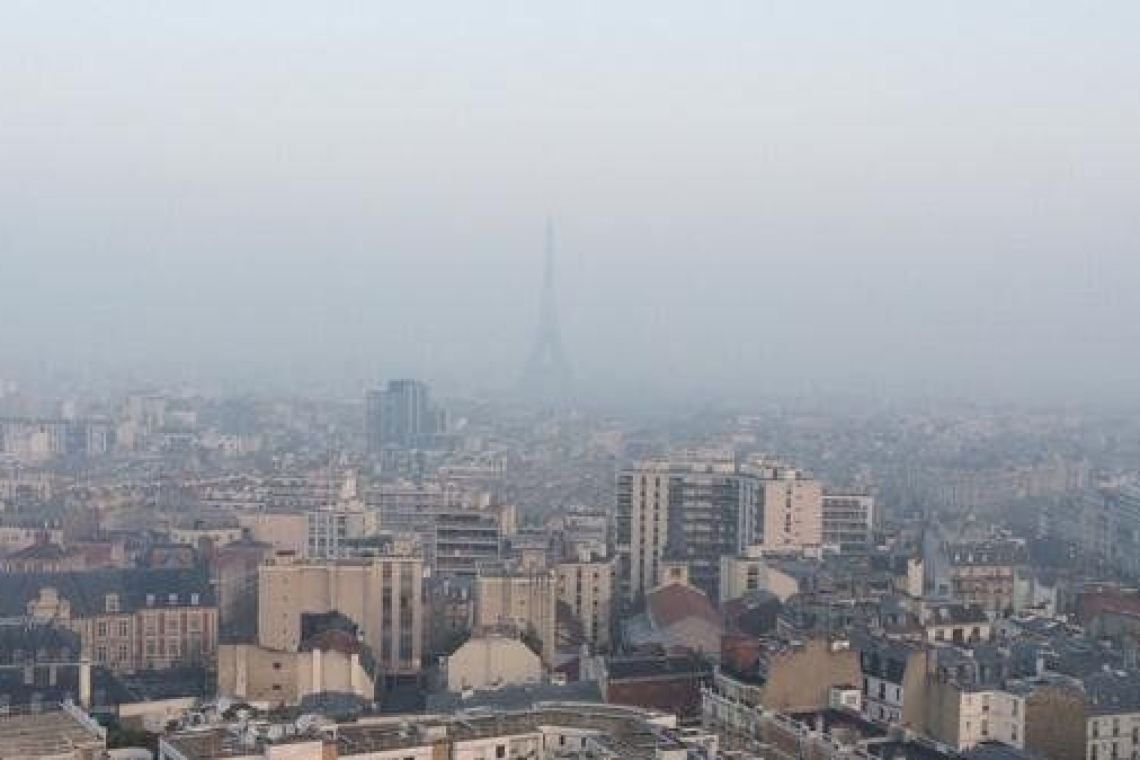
column 548, row 376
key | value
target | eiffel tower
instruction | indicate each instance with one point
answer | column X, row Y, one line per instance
column 548, row 376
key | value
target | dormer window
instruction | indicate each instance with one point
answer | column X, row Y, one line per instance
column 193, row 600
column 150, row 600
column 111, row 603
column 172, row 599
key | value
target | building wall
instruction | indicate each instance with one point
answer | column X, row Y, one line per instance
column 284, row 531
column 848, row 520
column 987, row 586
column 965, row 717
column 588, row 589
column 490, row 662
column 647, row 494
column 382, row 595
column 525, row 601
column 1055, row 723
column 679, row 694
column 802, row 678
column 195, row 536
column 793, row 512
column 15, row 538
column 167, row 635
column 702, row 510
column 740, row 575
column 250, row 672
column 1113, row 736
column 328, row 528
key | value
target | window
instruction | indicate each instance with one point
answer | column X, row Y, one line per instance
column 150, row 600
column 194, row 600
column 124, row 628
column 101, row 628
column 501, row 750
column 111, row 603
column 172, row 599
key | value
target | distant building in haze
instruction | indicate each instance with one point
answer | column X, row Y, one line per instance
column 400, row 416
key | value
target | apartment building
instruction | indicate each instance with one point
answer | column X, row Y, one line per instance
column 586, row 586
column 694, row 512
column 792, row 512
column 128, row 619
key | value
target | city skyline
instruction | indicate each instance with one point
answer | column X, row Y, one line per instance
column 918, row 201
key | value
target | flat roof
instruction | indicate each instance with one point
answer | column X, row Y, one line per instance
column 52, row 732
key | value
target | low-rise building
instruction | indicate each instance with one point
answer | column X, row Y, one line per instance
column 545, row 732
column 59, row 732
column 330, row 660
column 785, row 676
column 894, row 681
column 128, row 620
column 491, row 662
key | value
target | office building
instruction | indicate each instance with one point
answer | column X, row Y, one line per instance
column 400, row 416
column 848, row 521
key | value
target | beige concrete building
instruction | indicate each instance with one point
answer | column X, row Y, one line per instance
column 964, row 717
column 523, row 600
column 586, row 586
column 284, row 531
column 383, row 595
column 491, row 662
column 789, row 677
column 268, row 677
column 792, row 511
column 751, row 571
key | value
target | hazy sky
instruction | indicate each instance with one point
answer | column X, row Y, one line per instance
column 749, row 196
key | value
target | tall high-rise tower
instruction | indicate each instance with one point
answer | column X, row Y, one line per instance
column 548, row 375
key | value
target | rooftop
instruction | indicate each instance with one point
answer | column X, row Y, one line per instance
column 55, row 733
